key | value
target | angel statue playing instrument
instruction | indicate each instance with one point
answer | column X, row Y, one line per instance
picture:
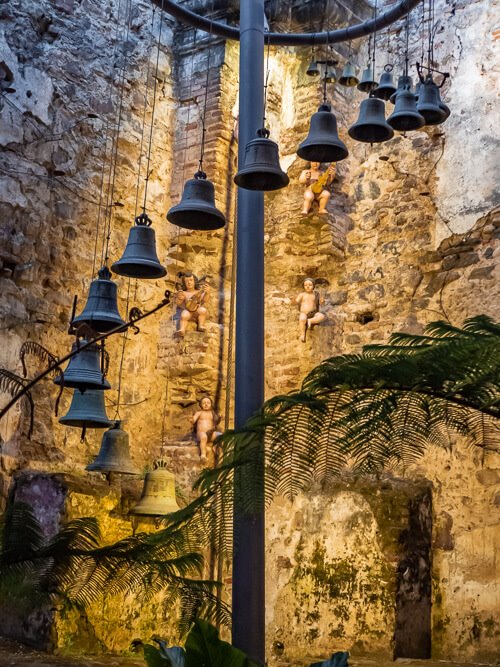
column 308, row 302
column 191, row 299
column 318, row 183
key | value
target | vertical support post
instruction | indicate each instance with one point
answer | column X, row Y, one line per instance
column 248, row 532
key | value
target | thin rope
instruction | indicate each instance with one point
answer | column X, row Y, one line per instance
column 374, row 40
column 407, row 28
column 122, row 356
column 148, row 173
column 232, row 304
column 207, row 79
column 146, row 95
column 266, row 84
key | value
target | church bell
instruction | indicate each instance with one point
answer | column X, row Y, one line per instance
column 386, row 86
column 197, row 210
column 371, row 126
column 405, row 116
column 322, row 144
column 84, row 369
column 367, row 82
column 404, row 83
column 158, row 495
column 139, row 259
column 101, row 310
column 87, row 410
column 429, row 103
column 348, row 77
column 114, row 455
column 313, row 69
column 261, row 167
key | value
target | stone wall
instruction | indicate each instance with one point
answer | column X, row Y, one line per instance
column 411, row 237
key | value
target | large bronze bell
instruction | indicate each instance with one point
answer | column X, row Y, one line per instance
column 158, row 494
column 371, row 126
column 405, row 116
column 87, row 410
column 196, row 209
column 368, row 82
column 349, row 77
column 139, row 259
column 261, row 166
column 101, row 310
column 114, row 455
column 84, row 369
column 429, row 103
column 322, row 144
column 313, row 69
column 386, row 86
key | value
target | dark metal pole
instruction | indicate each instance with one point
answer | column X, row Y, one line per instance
column 248, row 532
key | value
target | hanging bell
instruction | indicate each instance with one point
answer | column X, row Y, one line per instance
column 322, row 144
column 349, row 77
column 429, row 103
column 261, row 166
column 114, row 455
column 330, row 75
column 101, row 310
column 446, row 110
column 197, row 210
column 87, row 410
column 313, row 69
column 405, row 116
column 158, row 495
column 386, row 86
column 371, row 126
column 367, row 82
column 84, row 369
column 139, row 259
column 404, row 83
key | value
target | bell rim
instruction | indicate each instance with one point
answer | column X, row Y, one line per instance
column 282, row 179
column 120, row 268
column 95, row 467
column 104, row 385
column 151, row 512
column 216, row 219
column 306, row 156
column 372, row 141
column 84, row 423
column 97, row 322
column 407, row 129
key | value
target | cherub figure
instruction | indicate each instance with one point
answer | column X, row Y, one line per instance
column 191, row 299
column 317, row 183
column 205, row 422
column 308, row 302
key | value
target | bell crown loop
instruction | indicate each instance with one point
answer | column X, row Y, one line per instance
column 263, row 132
column 104, row 273
column 143, row 220
column 200, row 175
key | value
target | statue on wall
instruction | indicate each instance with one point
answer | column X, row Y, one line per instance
column 191, row 299
column 205, row 421
column 308, row 302
column 318, row 183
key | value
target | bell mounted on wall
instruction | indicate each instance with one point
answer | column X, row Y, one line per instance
column 371, row 126
column 84, row 370
column 322, row 144
column 349, row 77
column 197, row 209
column 139, row 259
column 158, row 495
column 261, row 166
column 114, row 454
column 101, row 310
column 386, row 86
column 87, row 410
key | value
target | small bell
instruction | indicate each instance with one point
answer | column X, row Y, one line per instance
column 261, row 167
column 367, row 82
column 158, row 495
column 101, row 310
column 349, row 77
column 405, row 116
column 114, row 455
column 139, row 259
column 330, row 75
column 404, row 83
column 429, row 103
column 386, row 86
column 322, row 144
column 313, row 69
column 87, row 410
column 84, row 369
column 197, row 210
column 371, row 126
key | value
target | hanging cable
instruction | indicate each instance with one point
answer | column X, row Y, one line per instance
column 266, row 83
column 207, row 81
column 374, row 42
column 407, row 31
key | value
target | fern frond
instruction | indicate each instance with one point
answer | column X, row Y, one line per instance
column 32, row 348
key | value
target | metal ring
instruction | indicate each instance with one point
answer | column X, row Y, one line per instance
column 292, row 39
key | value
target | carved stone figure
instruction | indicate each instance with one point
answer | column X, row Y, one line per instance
column 308, row 302
column 192, row 298
column 205, row 422
column 317, row 183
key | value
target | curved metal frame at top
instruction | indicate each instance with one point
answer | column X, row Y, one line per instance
column 368, row 27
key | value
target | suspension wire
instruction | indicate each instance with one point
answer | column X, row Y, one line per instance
column 374, row 41
column 266, row 83
column 207, row 80
column 422, row 34
column 106, row 136
column 146, row 95
column 122, row 355
column 112, row 169
column 186, row 129
column 407, row 31
column 148, row 173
